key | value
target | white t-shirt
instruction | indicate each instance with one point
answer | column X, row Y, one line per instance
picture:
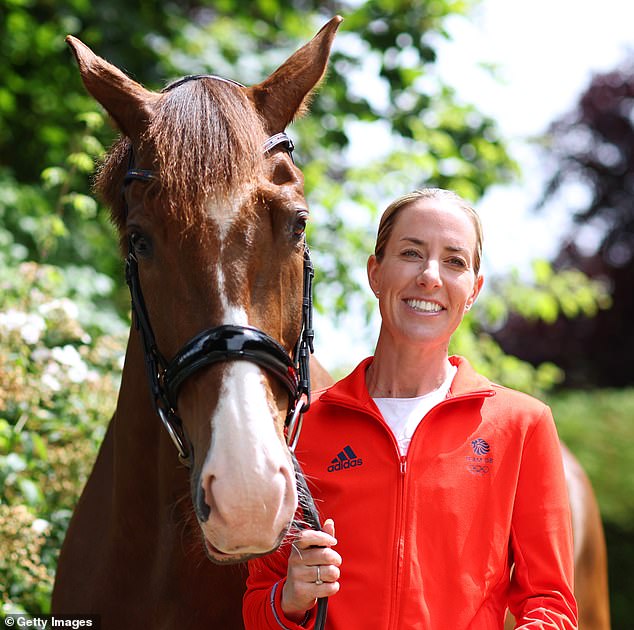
column 403, row 415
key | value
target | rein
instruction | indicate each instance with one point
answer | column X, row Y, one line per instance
column 228, row 343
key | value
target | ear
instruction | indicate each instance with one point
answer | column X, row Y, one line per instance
column 282, row 97
column 128, row 102
column 373, row 274
column 476, row 291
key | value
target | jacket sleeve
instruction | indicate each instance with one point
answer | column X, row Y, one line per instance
column 261, row 606
column 541, row 594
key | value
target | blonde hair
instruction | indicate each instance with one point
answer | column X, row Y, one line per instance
column 388, row 219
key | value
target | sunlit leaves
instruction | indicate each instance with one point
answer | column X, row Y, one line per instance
column 550, row 294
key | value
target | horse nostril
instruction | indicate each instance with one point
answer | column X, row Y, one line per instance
column 202, row 509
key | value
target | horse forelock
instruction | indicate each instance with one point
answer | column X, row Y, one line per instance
column 205, row 138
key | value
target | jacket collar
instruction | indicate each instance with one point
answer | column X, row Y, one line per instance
column 352, row 389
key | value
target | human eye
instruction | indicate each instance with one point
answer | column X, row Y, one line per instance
column 458, row 262
column 410, row 253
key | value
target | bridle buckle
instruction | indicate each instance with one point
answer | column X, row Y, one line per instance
column 293, row 427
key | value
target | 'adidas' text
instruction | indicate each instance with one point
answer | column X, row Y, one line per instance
column 344, row 460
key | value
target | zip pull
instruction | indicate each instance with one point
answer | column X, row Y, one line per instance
column 403, row 464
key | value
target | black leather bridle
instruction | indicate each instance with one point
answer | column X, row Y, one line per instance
column 223, row 343
column 228, row 342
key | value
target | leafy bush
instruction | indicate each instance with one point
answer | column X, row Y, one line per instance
column 58, row 382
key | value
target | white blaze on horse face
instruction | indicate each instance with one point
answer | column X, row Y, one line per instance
column 247, row 478
column 224, row 213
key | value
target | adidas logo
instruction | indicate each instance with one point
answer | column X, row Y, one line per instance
column 345, row 459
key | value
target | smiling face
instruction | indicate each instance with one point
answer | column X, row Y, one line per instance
column 425, row 276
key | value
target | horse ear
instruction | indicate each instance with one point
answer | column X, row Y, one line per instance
column 283, row 96
column 128, row 102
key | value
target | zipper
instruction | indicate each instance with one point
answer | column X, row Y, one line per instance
column 400, row 543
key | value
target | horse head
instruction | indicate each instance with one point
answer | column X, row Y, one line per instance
column 212, row 219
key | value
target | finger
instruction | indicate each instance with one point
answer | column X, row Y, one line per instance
column 312, row 557
column 327, row 573
column 327, row 589
column 311, row 538
column 329, row 527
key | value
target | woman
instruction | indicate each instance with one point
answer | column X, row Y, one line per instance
column 447, row 490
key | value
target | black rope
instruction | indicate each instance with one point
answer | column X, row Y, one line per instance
column 311, row 518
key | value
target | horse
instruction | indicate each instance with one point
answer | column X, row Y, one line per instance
column 211, row 215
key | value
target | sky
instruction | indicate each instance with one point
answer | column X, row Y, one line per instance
column 545, row 53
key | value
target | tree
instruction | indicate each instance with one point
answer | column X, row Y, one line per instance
column 593, row 147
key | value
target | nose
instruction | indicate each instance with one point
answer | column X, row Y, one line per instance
column 429, row 273
column 246, row 497
column 244, row 509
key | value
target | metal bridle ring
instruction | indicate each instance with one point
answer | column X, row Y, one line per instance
column 294, row 423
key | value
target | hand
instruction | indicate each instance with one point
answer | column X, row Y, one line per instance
column 311, row 550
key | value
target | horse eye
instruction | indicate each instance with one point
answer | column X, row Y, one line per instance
column 140, row 244
column 301, row 220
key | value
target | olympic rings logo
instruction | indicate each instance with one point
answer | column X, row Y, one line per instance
column 478, row 470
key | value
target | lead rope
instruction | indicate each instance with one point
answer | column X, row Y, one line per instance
column 311, row 518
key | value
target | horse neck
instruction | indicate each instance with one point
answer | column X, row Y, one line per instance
column 146, row 466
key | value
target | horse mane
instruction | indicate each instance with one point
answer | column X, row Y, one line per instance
column 206, row 139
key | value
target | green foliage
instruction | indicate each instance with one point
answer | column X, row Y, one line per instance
column 51, row 131
column 58, row 383
column 551, row 293
column 597, row 426
column 620, row 543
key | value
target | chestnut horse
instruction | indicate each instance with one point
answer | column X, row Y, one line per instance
column 212, row 219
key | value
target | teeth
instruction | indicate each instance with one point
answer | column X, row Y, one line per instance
column 425, row 307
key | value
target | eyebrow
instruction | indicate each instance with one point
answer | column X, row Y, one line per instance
column 450, row 248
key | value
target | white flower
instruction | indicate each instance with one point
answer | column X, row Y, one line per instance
column 68, row 307
column 66, row 355
column 49, row 381
column 30, row 325
column 77, row 370
column 39, row 525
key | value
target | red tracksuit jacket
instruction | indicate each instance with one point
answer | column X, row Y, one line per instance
column 428, row 540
